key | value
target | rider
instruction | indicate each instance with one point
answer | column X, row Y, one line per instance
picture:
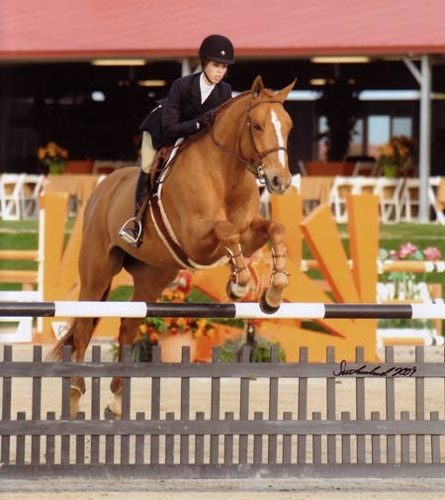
column 188, row 109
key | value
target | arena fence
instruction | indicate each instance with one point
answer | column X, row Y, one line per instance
column 241, row 419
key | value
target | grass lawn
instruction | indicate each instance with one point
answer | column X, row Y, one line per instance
column 22, row 235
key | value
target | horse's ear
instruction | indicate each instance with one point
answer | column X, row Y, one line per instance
column 283, row 93
column 257, row 85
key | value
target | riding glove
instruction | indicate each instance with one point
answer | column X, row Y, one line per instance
column 206, row 119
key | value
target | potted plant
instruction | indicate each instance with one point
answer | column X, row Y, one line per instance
column 396, row 156
column 260, row 353
column 53, row 158
column 171, row 334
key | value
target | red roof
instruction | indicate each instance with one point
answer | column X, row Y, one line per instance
column 67, row 29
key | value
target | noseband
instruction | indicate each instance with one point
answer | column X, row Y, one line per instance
column 256, row 168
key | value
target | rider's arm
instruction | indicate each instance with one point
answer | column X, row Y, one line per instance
column 172, row 125
column 226, row 92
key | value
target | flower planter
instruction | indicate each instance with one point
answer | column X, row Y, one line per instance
column 171, row 346
column 56, row 167
column 390, row 171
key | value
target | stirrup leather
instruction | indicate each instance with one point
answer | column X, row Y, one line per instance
column 127, row 233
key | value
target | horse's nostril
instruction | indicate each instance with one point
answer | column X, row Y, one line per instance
column 276, row 181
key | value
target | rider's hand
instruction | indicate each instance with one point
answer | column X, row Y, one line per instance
column 206, row 119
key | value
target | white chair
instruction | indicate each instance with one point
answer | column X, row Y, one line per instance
column 296, row 182
column 31, row 187
column 433, row 186
column 389, row 192
column 18, row 329
column 341, row 187
column 10, row 193
column 365, row 185
column 409, row 200
column 302, row 167
column 365, row 168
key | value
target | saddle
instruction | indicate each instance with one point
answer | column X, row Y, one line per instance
column 160, row 168
column 157, row 168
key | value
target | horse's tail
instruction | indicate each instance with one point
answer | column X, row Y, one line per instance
column 56, row 353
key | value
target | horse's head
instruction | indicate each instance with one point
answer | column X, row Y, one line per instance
column 265, row 144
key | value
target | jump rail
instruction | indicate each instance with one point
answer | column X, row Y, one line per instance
column 425, row 310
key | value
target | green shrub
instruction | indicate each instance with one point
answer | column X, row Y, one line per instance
column 261, row 353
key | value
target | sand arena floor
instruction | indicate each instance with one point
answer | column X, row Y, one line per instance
column 287, row 488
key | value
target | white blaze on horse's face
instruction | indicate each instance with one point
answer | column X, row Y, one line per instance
column 277, row 126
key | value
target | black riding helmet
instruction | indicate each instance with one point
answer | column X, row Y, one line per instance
column 217, row 48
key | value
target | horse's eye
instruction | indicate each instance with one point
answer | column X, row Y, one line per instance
column 257, row 127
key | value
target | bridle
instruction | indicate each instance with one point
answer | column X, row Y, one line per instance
column 257, row 168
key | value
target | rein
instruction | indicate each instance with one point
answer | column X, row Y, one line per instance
column 157, row 210
column 256, row 169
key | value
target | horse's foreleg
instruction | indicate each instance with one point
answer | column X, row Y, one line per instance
column 261, row 230
column 273, row 296
column 238, row 284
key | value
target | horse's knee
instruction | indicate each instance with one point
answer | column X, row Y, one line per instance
column 277, row 232
column 225, row 232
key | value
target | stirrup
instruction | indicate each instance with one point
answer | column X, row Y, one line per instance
column 128, row 233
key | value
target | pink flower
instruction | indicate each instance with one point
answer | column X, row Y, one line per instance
column 432, row 253
column 406, row 250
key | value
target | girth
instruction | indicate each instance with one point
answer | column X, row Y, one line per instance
column 162, row 225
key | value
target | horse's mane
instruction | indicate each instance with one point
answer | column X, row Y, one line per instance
column 222, row 107
column 228, row 103
column 191, row 139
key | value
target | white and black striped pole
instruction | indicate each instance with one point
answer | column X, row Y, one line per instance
column 244, row 310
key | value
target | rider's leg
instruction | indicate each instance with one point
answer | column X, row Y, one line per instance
column 148, row 152
column 131, row 230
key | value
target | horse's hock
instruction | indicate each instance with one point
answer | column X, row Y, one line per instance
column 225, row 420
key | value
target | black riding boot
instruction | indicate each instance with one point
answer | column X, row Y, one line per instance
column 142, row 189
column 131, row 231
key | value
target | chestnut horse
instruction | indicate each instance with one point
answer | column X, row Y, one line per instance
column 209, row 202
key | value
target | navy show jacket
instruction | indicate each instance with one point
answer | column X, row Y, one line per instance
column 177, row 115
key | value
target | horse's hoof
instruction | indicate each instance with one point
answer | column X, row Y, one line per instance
column 75, row 395
column 109, row 414
column 265, row 307
column 235, row 291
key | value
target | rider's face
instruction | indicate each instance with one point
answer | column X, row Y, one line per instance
column 215, row 71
